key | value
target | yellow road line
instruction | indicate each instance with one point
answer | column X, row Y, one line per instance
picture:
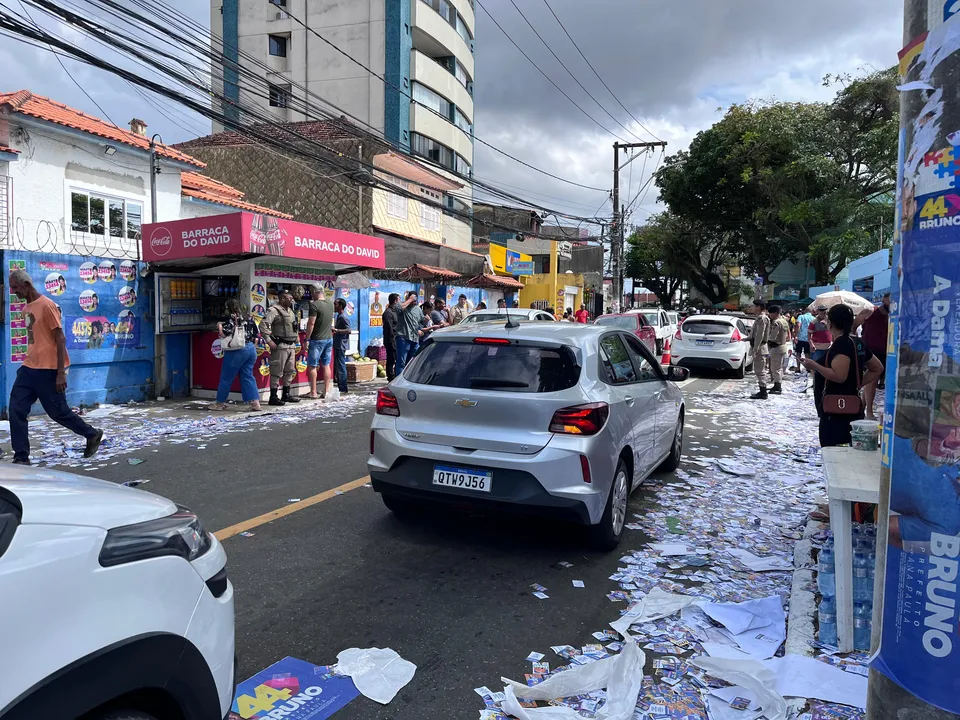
column 246, row 525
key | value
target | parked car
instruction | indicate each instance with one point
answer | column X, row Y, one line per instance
column 714, row 342
column 116, row 604
column 635, row 323
column 560, row 419
column 660, row 322
column 518, row 314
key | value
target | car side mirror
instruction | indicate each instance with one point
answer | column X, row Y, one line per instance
column 677, row 373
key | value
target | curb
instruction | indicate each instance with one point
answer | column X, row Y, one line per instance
column 803, row 602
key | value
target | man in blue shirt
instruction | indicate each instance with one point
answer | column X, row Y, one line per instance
column 803, row 336
column 408, row 330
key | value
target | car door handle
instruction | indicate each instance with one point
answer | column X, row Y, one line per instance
column 629, row 401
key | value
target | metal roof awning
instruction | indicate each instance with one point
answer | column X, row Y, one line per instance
column 204, row 242
column 493, row 282
column 427, row 272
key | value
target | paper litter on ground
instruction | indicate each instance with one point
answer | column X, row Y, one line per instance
column 743, row 518
column 378, row 673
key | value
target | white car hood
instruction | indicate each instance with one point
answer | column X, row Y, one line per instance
column 56, row 498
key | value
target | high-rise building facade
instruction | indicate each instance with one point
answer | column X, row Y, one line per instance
column 303, row 53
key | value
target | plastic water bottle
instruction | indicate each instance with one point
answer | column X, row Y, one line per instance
column 871, row 573
column 826, row 578
column 828, row 621
column 861, row 575
column 862, row 625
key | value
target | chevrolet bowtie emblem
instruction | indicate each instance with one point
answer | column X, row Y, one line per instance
column 465, row 403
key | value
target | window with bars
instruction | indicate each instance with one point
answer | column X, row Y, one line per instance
column 280, row 96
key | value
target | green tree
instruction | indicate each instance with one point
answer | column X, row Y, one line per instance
column 671, row 250
column 776, row 179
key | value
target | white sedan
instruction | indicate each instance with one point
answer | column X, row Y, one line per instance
column 116, row 604
column 712, row 342
column 519, row 314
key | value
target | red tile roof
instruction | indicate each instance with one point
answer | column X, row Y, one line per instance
column 418, row 271
column 25, row 102
column 494, row 281
column 316, row 130
column 200, row 187
column 5, row 149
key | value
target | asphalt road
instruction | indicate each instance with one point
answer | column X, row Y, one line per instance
column 449, row 592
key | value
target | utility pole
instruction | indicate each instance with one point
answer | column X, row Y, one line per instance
column 616, row 229
column 914, row 673
column 154, row 171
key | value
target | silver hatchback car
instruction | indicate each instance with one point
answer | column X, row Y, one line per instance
column 549, row 418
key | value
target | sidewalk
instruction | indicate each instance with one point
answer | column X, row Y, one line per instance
column 140, row 427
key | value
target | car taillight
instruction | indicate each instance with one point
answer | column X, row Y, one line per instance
column 386, row 405
column 581, row 419
column 736, row 337
column 491, row 341
column 677, row 335
column 585, row 469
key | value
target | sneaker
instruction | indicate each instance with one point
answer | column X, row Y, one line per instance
column 93, row 444
column 761, row 395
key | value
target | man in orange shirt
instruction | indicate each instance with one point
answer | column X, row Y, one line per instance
column 43, row 375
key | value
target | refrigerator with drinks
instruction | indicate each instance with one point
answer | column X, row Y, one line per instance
column 187, row 303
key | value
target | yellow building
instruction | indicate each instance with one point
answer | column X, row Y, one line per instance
column 537, row 292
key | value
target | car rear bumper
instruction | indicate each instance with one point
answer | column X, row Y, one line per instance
column 706, row 363
column 548, row 482
column 512, row 491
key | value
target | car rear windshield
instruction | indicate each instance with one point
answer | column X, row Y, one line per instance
column 628, row 322
column 507, row 368
column 707, row 327
column 484, row 317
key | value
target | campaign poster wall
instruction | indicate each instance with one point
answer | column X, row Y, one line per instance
column 106, row 322
column 296, row 689
column 920, row 645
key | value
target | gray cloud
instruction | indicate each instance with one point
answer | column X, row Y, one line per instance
column 672, row 63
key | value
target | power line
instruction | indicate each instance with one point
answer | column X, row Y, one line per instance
column 530, row 60
column 557, row 58
column 590, row 65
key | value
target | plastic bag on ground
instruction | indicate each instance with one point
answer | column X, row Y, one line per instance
column 379, row 674
column 751, row 675
column 621, row 675
column 657, row 604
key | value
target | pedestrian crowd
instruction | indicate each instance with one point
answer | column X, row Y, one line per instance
column 842, row 350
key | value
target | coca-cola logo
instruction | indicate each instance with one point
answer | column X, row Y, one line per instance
column 161, row 241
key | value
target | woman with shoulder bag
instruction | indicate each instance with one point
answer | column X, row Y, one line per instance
column 849, row 365
column 238, row 335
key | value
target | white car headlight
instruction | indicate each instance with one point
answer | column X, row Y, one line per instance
column 180, row 534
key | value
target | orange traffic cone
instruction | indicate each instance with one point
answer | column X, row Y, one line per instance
column 665, row 360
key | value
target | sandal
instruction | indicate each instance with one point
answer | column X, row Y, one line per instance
column 313, row 397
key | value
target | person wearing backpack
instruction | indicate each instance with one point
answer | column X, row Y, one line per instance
column 848, row 366
column 238, row 335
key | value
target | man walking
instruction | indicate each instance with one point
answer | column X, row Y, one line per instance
column 279, row 329
column 341, row 329
column 43, row 375
column 582, row 315
column 320, row 332
column 875, row 323
column 803, row 336
column 408, row 329
column 759, row 335
column 779, row 344
column 391, row 317
column 459, row 311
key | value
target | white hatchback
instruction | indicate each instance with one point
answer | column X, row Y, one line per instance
column 712, row 342
column 116, row 604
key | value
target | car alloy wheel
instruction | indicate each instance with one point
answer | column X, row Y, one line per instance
column 678, row 441
column 619, row 503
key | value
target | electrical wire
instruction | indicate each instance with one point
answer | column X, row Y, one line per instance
column 590, row 65
column 530, row 60
column 563, row 65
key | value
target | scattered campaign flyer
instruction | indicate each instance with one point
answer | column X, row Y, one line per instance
column 300, row 690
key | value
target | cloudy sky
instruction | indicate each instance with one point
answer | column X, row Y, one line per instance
column 673, row 63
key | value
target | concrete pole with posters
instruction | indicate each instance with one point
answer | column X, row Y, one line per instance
column 919, row 473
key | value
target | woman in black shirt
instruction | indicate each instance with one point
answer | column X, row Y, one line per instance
column 846, row 356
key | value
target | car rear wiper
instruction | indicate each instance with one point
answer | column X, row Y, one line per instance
column 477, row 382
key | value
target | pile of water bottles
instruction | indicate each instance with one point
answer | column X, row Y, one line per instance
column 864, row 561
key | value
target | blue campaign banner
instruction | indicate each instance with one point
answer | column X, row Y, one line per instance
column 920, row 644
column 294, row 690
